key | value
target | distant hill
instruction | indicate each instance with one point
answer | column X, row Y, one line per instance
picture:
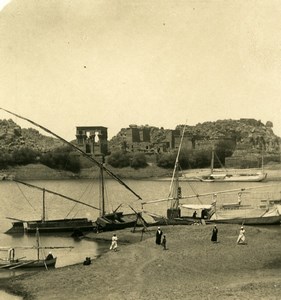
column 12, row 136
column 250, row 139
column 249, row 135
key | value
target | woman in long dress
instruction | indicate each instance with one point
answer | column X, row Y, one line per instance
column 158, row 236
column 214, row 237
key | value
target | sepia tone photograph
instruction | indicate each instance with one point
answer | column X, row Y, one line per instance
column 140, row 149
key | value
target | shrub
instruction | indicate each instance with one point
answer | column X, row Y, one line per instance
column 119, row 159
column 166, row 160
column 138, row 160
column 24, row 156
column 62, row 158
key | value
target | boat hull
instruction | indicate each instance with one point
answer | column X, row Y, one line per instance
column 60, row 225
column 116, row 221
column 176, row 221
column 273, row 220
column 24, row 264
column 234, row 178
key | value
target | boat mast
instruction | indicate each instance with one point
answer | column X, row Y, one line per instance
column 102, row 204
column 212, row 160
column 37, row 243
column 175, row 189
column 44, row 208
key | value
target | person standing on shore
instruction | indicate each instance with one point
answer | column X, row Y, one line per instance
column 159, row 233
column 113, row 245
column 214, row 237
column 241, row 237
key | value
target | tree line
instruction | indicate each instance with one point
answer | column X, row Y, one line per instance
column 65, row 158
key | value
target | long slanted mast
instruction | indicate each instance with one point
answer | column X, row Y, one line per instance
column 100, row 165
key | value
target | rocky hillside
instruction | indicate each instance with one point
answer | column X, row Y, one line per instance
column 12, row 136
column 249, row 135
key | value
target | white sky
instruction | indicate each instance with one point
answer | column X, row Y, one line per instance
column 113, row 63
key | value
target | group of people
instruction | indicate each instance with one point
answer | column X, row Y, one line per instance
column 162, row 241
column 241, row 240
column 159, row 240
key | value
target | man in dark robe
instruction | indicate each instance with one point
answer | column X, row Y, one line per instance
column 159, row 233
column 214, row 237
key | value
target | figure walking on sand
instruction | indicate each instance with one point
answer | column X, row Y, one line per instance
column 241, row 237
column 159, row 233
column 214, row 237
column 113, row 245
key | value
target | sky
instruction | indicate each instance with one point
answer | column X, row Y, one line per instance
column 114, row 63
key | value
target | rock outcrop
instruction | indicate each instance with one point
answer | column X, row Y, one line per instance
column 12, row 137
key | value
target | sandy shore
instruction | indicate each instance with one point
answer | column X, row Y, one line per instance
column 192, row 268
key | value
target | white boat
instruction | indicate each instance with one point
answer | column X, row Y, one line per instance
column 235, row 213
column 217, row 176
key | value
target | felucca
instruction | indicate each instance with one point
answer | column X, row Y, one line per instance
column 106, row 221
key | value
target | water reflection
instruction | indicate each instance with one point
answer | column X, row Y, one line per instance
column 80, row 249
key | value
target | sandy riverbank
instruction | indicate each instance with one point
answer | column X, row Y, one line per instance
column 192, row 268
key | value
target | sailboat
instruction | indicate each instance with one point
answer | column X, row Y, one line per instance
column 106, row 221
column 232, row 213
column 116, row 219
column 11, row 262
column 174, row 216
column 233, row 177
column 55, row 225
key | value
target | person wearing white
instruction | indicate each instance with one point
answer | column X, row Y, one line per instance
column 241, row 237
column 113, row 245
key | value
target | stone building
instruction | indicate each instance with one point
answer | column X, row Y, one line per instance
column 92, row 139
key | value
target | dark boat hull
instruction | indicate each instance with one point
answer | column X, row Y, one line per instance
column 23, row 264
column 176, row 221
column 60, row 225
column 116, row 221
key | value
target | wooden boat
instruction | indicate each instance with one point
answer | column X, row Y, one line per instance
column 57, row 225
column 241, row 177
column 106, row 221
column 113, row 220
column 247, row 215
column 174, row 216
column 12, row 262
column 216, row 176
column 233, row 213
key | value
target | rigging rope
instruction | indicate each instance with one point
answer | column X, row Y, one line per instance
column 25, row 197
column 79, row 199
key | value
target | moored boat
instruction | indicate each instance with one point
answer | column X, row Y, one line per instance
column 53, row 225
column 216, row 176
column 105, row 220
column 10, row 261
column 247, row 215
